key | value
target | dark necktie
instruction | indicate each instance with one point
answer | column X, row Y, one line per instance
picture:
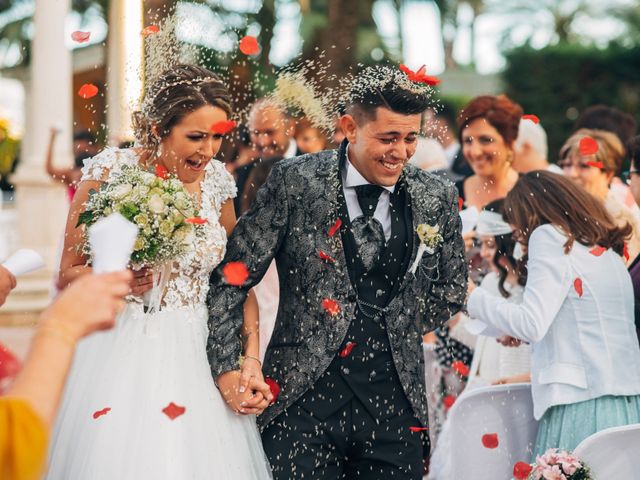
column 367, row 231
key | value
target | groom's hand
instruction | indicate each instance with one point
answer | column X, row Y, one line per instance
column 252, row 401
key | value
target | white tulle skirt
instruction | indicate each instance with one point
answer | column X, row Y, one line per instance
column 145, row 364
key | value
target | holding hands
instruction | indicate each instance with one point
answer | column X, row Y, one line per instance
column 245, row 391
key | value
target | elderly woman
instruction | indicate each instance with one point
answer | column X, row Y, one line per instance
column 594, row 170
column 576, row 311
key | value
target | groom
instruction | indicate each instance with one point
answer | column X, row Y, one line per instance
column 346, row 351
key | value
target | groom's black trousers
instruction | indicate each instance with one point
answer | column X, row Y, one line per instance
column 349, row 444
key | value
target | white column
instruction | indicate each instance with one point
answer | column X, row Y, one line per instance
column 41, row 204
column 124, row 66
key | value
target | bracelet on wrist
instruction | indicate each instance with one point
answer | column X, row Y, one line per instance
column 59, row 332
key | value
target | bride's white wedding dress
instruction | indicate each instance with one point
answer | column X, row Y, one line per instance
column 140, row 402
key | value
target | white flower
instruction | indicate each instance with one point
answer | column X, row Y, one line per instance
column 429, row 235
column 156, row 204
column 121, row 191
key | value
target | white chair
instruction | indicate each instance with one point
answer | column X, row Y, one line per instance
column 612, row 453
column 506, row 410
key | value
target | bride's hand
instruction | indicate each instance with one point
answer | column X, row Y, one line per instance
column 142, row 281
column 251, row 368
column 253, row 401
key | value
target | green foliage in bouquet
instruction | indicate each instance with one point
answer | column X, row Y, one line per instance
column 161, row 208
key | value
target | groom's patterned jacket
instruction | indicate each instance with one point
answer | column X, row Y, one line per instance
column 291, row 221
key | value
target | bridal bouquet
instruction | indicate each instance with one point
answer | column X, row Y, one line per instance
column 554, row 465
column 157, row 204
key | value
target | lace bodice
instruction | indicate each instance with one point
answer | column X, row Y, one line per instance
column 189, row 282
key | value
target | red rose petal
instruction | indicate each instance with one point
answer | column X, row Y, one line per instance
column 346, row 351
column 173, row 411
column 274, row 387
column 223, row 127
column 460, row 204
column 326, row 257
column 336, row 226
column 10, row 364
column 418, row 429
column 99, row 413
column 162, row 172
column 533, row 118
column 461, row 368
column 490, row 440
column 420, row 76
column 625, row 252
column 88, row 90
column 521, row 470
column 80, row 37
column 597, row 250
column 331, row 307
column 249, row 45
column 448, row 401
column 588, row 146
column 150, row 30
column 196, row 220
column 577, row 284
column 599, row 165
column 235, row 273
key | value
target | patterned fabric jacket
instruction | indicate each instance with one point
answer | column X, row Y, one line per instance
column 291, row 221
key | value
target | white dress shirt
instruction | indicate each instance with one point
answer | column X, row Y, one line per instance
column 582, row 333
column 352, row 178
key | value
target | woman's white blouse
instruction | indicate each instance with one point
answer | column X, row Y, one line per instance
column 577, row 313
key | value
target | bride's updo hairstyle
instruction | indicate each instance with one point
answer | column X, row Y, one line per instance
column 176, row 93
column 541, row 197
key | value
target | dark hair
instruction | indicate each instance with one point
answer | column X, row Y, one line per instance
column 383, row 86
column 176, row 93
column 501, row 112
column 78, row 160
column 633, row 147
column 84, row 136
column 541, row 197
column 611, row 119
column 505, row 246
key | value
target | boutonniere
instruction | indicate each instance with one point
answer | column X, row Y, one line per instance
column 430, row 238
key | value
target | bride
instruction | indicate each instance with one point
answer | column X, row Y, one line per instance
column 141, row 402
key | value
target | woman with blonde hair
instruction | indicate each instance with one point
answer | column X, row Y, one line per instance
column 595, row 173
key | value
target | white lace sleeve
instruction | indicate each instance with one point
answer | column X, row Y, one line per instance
column 219, row 185
column 106, row 163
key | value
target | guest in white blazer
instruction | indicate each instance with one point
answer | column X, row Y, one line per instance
column 577, row 311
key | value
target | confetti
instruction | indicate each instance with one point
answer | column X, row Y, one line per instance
column 420, row 76
column 100, row 413
column 625, row 252
column 162, row 172
column 577, row 284
column 80, row 37
column 223, row 127
column 460, row 204
column 490, row 440
column 249, row 45
column 599, row 165
column 196, row 220
column 336, row 226
column 274, row 387
column 326, row 257
column 150, row 30
column 418, row 429
column 522, row 470
column 588, row 146
column 448, row 401
column 88, row 90
column 533, row 118
column 460, row 368
column 346, row 351
column 235, row 273
column 173, row 411
column 597, row 250
column 331, row 307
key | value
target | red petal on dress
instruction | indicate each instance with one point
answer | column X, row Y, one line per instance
column 521, row 470
column 99, row 413
column 173, row 411
column 597, row 250
column 577, row 284
column 490, row 440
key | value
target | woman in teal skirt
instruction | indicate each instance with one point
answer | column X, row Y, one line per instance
column 577, row 311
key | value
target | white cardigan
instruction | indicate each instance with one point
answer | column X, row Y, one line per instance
column 584, row 346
